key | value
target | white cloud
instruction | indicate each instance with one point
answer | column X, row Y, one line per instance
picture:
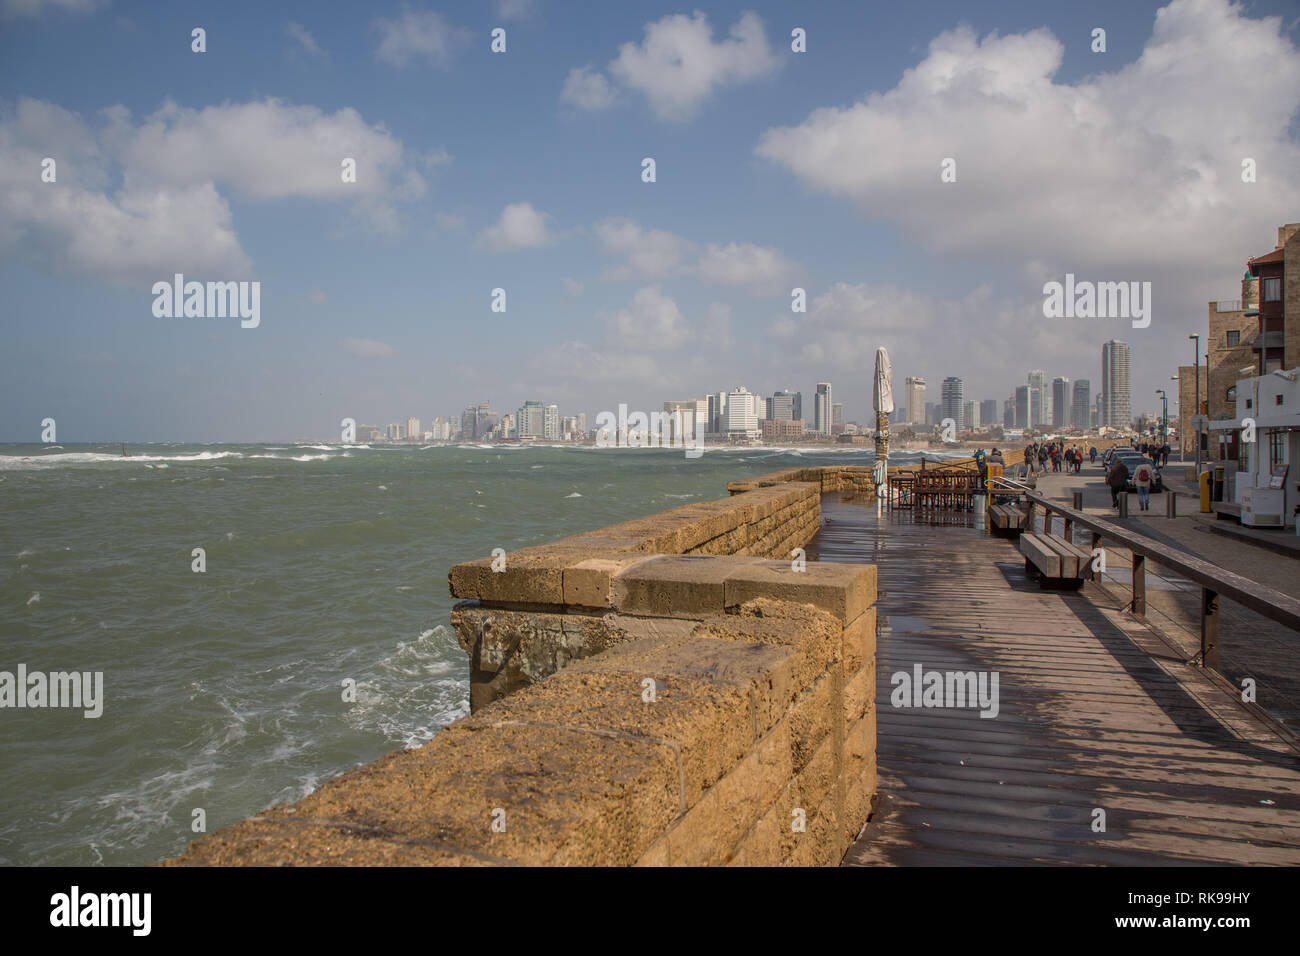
column 418, row 35
column 572, row 287
column 716, row 334
column 764, row 270
column 34, row 8
column 134, row 201
column 587, row 89
column 266, row 150
column 650, row 253
column 304, row 38
column 651, row 323
column 677, row 66
column 1140, row 166
column 367, row 348
column 516, row 9
column 520, row 227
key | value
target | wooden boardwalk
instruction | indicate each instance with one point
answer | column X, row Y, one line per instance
column 1096, row 712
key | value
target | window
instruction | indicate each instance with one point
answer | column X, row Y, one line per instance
column 1231, row 396
column 1276, row 448
column 1234, row 338
column 1277, row 399
column 1272, row 289
column 1250, row 402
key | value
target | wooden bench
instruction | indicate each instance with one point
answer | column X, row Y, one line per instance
column 1055, row 561
column 1006, row 519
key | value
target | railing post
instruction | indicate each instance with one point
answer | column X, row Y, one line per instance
column 1209, row 629
column 1171, row 504
column 1077, row 504
column 1047, row 520
column 1139, row 584
column 1123, row 504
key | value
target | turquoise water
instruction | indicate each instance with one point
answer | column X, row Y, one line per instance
column 223, row 689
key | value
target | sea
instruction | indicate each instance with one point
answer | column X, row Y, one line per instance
column 309, row 635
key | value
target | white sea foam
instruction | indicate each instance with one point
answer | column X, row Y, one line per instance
column 574, row 495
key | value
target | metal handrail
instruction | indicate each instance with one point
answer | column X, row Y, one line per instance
column 1215, row 582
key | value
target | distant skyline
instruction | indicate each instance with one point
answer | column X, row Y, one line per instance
column 475, row 171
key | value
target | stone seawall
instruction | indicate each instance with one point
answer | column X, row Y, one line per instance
column 674, row 690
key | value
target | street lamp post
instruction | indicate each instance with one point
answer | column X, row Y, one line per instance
column 1164, row 417
column 1196, row 414
column 1182, row 438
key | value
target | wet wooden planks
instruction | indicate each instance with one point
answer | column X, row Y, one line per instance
column 1095, row 712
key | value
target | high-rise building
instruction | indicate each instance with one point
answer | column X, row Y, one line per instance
column 1060, row 402
column 536, row 420
column 837, row 418
column 953, row 397
column 683, row 422
column 741, row 415
column 1040, row 412
column 476, row 421
column 1024, row 406
column 914, row 399
column 787, row 405
column 822, row 409
column 1009, row 413
column 717, row 412
column 1081, row 406
column 970, row 415
column 931, row 414
column 989, row 412
column 1115, row 385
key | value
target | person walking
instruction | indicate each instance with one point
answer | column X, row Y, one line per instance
column 1143, row 481
column 1029, row 460
column 1117, row 479
column 1092, row 455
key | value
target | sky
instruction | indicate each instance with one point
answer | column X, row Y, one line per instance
column 522, row 170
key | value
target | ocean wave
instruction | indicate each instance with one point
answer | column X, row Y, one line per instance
column 96, row 458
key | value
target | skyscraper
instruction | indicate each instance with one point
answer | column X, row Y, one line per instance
column 1023, row 404
column 787, row 405
column 822, row 409
column 914, row 389
column 741, row 415
column 988, row 412
column 953, row 394
column 1040, row 412
column 1115, row 386
column 1060, row 402
column 536, row 420
column 970, row 414
column 1081, row 408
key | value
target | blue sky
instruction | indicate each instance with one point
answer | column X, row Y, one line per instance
column 522, row 170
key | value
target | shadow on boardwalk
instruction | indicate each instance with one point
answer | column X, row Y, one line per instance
column 1099, row 720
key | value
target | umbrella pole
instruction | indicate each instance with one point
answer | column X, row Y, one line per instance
column 882, row 460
